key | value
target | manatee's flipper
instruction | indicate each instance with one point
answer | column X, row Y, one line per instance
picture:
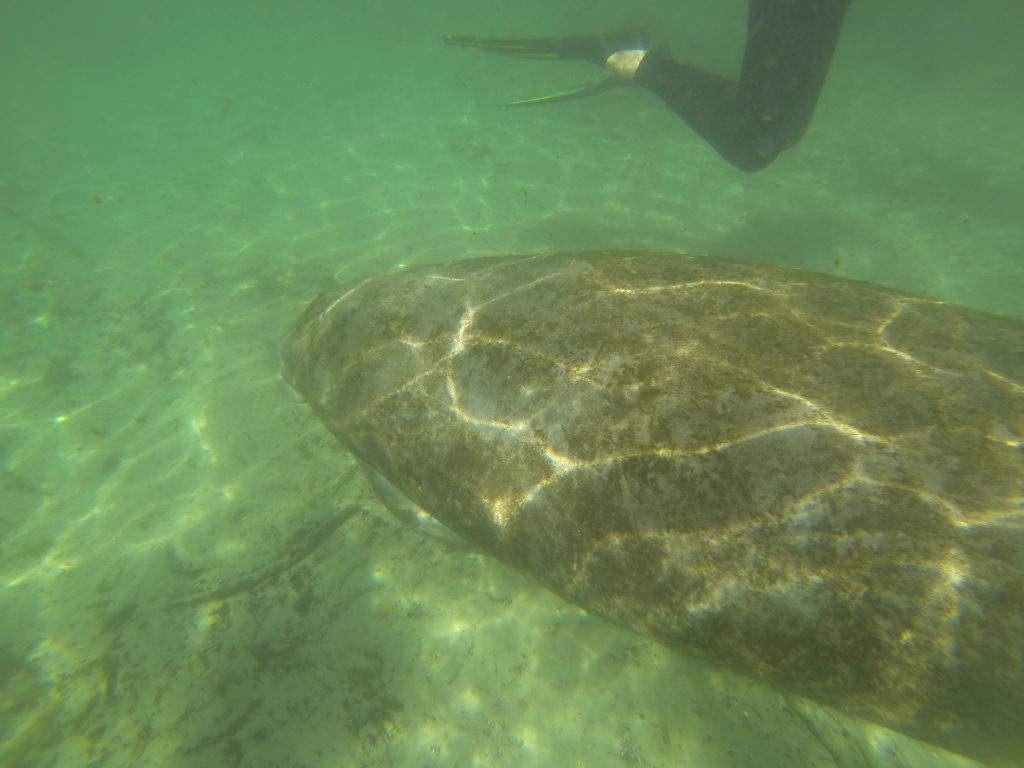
column 407, row 511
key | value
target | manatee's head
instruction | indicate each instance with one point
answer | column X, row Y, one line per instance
column 276, row 363
column 294, row 352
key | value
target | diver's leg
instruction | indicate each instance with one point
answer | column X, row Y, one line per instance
column 788, row 51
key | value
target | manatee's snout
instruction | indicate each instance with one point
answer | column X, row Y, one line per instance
column 289, row 355
column 285, row 358
column 301, row 349
column 279, row 364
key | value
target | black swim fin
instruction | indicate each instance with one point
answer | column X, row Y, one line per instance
column 580, row 92
column 593, row 48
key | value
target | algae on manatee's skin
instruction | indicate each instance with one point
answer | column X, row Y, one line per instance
column 813, row 480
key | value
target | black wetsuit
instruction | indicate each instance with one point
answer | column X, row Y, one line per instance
column 749, row 122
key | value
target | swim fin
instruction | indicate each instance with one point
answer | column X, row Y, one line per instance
column 580, row 92
column 593, row 48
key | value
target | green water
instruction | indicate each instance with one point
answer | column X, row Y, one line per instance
column 178, row 180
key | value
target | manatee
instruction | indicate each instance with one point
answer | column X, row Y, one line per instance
column 815, row 481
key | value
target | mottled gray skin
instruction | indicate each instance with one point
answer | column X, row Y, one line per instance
column 813, row 480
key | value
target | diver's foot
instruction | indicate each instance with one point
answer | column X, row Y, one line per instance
column 624, row 64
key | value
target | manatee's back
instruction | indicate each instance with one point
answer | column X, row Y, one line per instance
column 813, row 480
